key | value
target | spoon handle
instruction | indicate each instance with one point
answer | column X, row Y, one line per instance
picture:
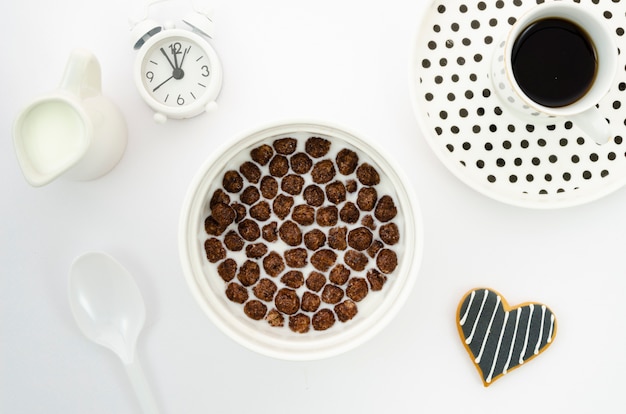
column 141, row 387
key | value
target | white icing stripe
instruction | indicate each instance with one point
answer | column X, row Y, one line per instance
column 551, row 327
column 530, row 317
column 543, row 317
column 493, row 315
column 508, row 360
column 495, row 357
column 480, row 311
column 469, row 305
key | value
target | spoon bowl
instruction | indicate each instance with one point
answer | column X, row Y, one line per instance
column 109, row 310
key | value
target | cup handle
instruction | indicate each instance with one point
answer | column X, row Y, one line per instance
column 593, row 124
column 82, row 76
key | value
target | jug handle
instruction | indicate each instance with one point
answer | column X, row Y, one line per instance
column 82, row 76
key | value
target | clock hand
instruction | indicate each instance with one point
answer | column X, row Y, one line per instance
column 184, row 55
column 162, row 83
column 168, row 59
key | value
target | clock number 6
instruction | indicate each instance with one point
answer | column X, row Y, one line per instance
column 180, row 100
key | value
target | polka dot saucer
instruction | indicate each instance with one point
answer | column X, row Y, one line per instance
column 519, row 160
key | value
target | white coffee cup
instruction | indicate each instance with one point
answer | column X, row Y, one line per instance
column 73, row 131
column 583, row 112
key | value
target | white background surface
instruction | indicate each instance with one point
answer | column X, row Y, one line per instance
column 340, row 61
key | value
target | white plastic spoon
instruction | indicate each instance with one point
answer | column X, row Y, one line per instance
column 109, row 310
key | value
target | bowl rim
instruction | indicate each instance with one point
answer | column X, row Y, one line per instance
column 320, row 346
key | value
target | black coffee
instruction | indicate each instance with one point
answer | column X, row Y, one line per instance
column 554, row 62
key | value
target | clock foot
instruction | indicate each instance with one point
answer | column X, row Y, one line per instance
column 159, row 118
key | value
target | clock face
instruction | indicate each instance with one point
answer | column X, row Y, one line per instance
column 176, row 71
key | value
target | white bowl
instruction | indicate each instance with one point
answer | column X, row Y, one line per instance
column 374, row 312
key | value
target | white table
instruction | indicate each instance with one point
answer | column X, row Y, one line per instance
column 345, row 62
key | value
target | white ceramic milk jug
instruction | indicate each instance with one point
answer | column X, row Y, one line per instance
column 73, row 131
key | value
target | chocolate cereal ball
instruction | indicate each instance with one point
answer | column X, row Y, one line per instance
column 273, row 264
column 351, row 186
column 261, row 211
column 299, row 323
column 360, row 238
column 356, row 260
column 376, row 279
column 279, row 166
column 223, row 214
column 249, row 230
column 317, row 147
column 285, row 146
column 250, row 195
column 303, row 215
column 293, row 279
column 214, row 250
column 270, row 232
column 249, row 273
column 256, row 250
column 236, row 293
column 314, row 195
column 233, row 241
column 290, row 233
column 262, row 154
column 387, row 261
column 367, row 174
column 336, row 192
column 366, row 198
column 347, row 161
column 212, row 227
column 327, row 216
column 282, row 205
column 251, row 171
column 385, row 209
column 357, row 289
column 232, row 182
column 389, row 233
column 339, row 274
column 314, row 239
column 301, row 163
column 323, row 259
column 323, row 172
column 269, row 187
column 292, row 184
column 275, row 318
column 346, row 310
column 296, row 258
column 323, row 320
column 240, row 211
column 265, row 290
column 310, row 302
column 219, row 196
column 332, row 294
column 287, row 301
column 349, row 213
column 337, row 238
column 255, row 310
column 315, row 281
column 374, row 248
column 368, row 221
column 227, row 270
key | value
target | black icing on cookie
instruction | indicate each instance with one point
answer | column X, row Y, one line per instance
column 500, row 338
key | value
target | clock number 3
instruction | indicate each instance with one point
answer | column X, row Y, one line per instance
column 205, row 71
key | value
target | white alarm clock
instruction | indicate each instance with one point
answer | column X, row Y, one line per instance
column 177, row 72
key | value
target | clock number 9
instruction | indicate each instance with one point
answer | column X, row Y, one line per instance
column 150, row 75
column 205, row 71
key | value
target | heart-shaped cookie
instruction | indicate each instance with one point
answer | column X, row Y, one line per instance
column 500, row 338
